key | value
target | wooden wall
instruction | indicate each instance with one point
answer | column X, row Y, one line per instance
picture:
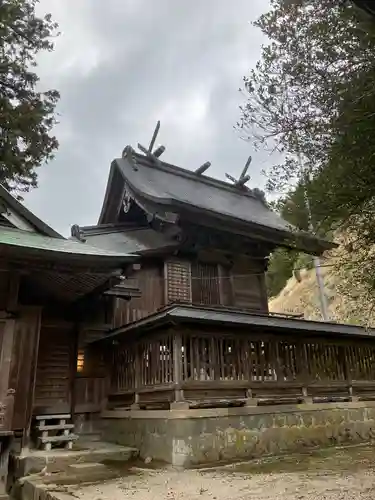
column 150, row 281
column 211, row 279
column 248, row 284
column 208, row 279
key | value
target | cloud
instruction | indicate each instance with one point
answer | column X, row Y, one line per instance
column 122, row 65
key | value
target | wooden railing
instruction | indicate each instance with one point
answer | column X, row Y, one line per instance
column 202, row 368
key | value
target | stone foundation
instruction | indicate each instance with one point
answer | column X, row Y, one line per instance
column 195, row 437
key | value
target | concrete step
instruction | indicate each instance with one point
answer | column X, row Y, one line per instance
column 58, row 460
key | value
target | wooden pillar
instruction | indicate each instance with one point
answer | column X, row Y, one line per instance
column 303, row 369
column 73, row 368
column 8, row 336
column 34, row 316
column 179, row 402
column 137, row 376
column 343, row 350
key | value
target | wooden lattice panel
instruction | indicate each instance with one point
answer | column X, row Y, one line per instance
column 205, row 283
column 178, row 281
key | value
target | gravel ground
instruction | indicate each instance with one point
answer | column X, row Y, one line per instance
column 339, row 474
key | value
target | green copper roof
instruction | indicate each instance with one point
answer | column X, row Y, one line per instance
column 30, row 242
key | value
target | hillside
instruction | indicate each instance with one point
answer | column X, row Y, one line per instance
column 346, row 305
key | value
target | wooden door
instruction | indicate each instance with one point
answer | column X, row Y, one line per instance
column 56, row 358
column 23, row 365
column 4, row 375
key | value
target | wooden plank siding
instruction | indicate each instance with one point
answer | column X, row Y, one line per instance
column 248, row 285
column 150, row 281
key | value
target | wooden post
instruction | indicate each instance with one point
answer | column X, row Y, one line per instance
column 220, row 273
column 303, row 366
column 347, row 371
column 9, row 329
column 137, row 377
column 179, row 403
column 34, row 365
column 73, row 368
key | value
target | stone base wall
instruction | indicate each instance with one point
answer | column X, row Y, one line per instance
column 194, row 437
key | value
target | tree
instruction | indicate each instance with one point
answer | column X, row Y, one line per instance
column 316, row 49
column 312, row 97
column 26, row 113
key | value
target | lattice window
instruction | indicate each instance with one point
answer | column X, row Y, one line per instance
column 178, row 281
column 205, row 284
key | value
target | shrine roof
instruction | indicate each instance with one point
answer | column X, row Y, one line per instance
column 168, row 190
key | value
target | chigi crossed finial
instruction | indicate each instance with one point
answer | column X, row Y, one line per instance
column 241, row 181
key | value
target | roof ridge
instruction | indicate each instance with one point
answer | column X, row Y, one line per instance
column 190, row 174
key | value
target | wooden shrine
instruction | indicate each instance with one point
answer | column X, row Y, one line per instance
column 200, row 333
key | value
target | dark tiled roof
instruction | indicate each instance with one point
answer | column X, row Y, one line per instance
column 170, row 185
column 164, row 189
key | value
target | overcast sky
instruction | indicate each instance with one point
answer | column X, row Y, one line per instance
column 121, row 65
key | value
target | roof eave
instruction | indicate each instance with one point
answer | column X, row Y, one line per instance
column 28, row 215
column 105, row 260
column 186, row 314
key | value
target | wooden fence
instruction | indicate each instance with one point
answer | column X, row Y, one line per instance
column 205, row 368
